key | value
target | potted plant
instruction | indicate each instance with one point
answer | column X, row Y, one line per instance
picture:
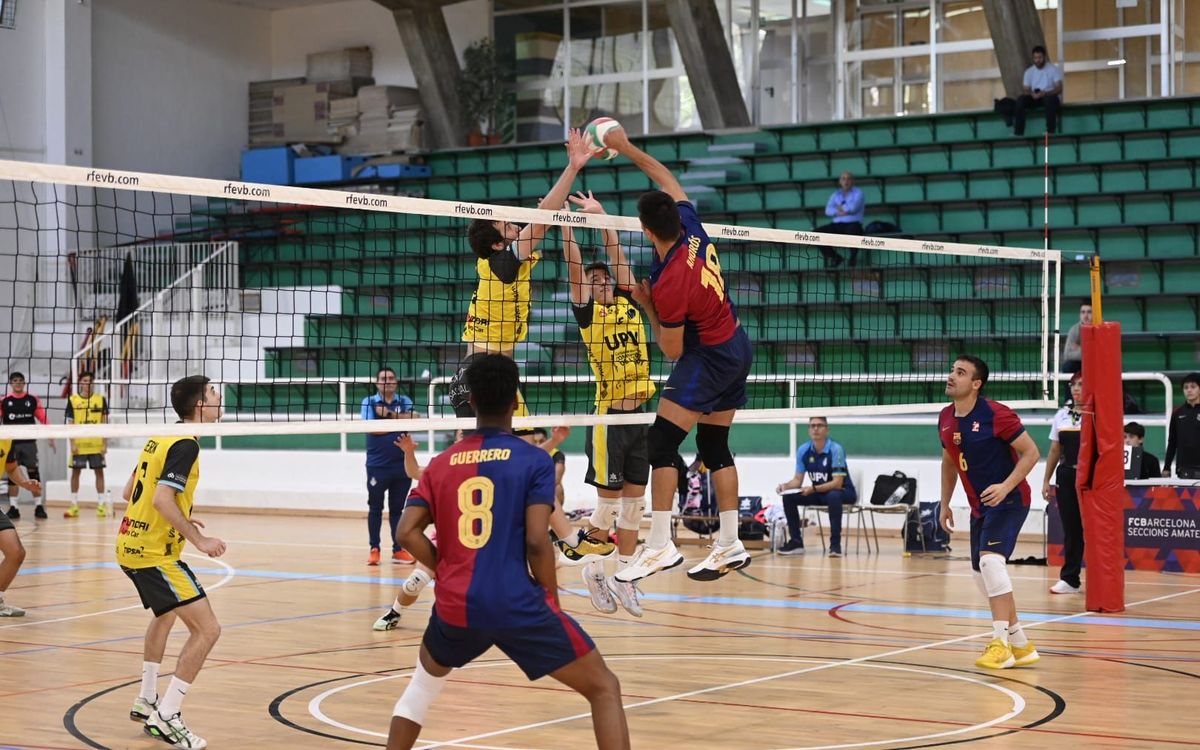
column 483, row 92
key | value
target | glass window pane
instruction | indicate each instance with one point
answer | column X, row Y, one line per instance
column 606, row 39
column 672, row 106
column 1187, row 46
column 534, row 42
column 817, row 63
column 962, row 21
column 969, row 80
column 622, row 101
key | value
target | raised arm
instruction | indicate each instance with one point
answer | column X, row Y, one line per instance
column 622, row 271
column 578, row 154
column 580, row 293
column 654, row 169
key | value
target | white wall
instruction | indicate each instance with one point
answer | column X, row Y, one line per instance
column 357, row 23
column 22, row 85
column 170, row 83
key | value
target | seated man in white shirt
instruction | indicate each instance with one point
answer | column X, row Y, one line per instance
column 1043, row 87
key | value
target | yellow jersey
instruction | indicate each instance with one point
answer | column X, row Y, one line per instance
column 87, row 410
column 5, row 450
column 498, row 317
column 146, row 539
column 616, row 343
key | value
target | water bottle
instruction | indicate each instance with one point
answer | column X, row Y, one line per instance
column 897, row 494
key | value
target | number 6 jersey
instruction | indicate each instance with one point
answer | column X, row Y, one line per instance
column 146, row 539
column 477, row 491
column 688, row 289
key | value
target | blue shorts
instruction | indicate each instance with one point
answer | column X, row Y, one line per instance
column 996, row 529
column 538, row 649
column 712, row 378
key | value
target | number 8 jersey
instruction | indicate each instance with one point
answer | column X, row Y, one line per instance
column 477, row 491
column 146, row 539
column 688, row 289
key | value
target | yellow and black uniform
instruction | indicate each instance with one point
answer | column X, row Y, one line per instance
column 88, row 453
column 6, row 458
column 615, row 337
column 148, row 546
column 498, row 318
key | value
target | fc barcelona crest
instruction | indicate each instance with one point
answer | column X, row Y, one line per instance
column 958, row 438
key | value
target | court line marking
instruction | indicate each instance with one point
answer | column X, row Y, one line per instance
column 792, row 673
column 1018, row 702
column 229, row 570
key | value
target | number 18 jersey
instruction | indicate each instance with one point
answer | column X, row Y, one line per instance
column 146, row 539
column 688, row 289
column 477, row 492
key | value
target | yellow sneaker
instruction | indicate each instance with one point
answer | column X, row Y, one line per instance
column 997, row 655
column 72, row 512
column 101, row 510
column 1025, row 655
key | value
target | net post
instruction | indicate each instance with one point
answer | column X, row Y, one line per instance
column 1097, row 313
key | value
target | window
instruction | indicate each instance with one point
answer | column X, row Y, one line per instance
column 8, row 14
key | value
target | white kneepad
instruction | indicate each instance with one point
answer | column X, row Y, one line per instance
column 418, row 696
column 994, row 572
column 606, row 513
column 632, row 510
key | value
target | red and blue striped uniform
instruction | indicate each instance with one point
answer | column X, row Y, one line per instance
column 477, row 492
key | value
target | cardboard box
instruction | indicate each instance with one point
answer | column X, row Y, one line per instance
column 341, row 65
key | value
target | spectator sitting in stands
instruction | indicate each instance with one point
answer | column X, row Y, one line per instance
column 846, row 207
column 825, row 463
column 1072, row 355
column 1042, row 87
column 1183, row 432
column 1135, row 437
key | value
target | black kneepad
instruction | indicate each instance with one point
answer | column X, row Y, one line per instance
column 662, row 442
column 712, row 443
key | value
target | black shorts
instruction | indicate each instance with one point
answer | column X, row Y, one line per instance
column 617, row 454
column 165, row 587
column 548, row 646
column 87, row 461
column 6, row 524
column 460, row 393
column 25, row 454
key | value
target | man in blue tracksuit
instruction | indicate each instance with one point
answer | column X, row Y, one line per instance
column 385, row 464
column 824, row 461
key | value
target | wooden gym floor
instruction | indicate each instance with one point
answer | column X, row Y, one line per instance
column 796, row 652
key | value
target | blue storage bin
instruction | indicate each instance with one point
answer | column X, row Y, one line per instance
column 272, row 166
column 318, row 169
column 394, row 171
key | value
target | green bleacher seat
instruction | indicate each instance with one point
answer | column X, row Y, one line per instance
column 1180, row 175
column 1010, row 154
column 1076, row 181
column 920, row 321
column 987, row 186
column 1184, row 144
column 1099, row 210
column 829, row 324
column 818, row 288
column 914, row 131
column 812, row 167
column 782, row 289
column 841, row 358
column 970, row 157
column 1143, row 354
column 1127, row 312
column 1181, row 277
column 950, row 187
column 873, row 322
column 1101, row 149
column 889, row 163
column 1171, row 241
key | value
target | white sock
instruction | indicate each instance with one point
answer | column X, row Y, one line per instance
column 1000, row 630
column 99, row 499
column 574, row 538
column 149, row 680
column 397, row 607
column 623, row 561
column 74, row 499
column 37, row 501
column 1016, row 635
column 729, row 528
column 172, row 702
column 660, row 529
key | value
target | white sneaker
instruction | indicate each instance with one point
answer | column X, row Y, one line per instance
column 597, row 586
column 173, row 732
column 721, row 561
column 143, row 708
column 1062, row 587
column 8, row 610
column 389, row 621
column 650, row 561
column 627, row 594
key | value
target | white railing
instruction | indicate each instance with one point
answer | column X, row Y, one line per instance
column 168, row 334
column 155, row 267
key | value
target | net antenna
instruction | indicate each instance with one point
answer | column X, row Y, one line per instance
column 292, row 298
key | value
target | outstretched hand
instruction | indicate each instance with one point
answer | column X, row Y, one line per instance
column 578, row 152
column 406, row 443
column 561, row 432
column 586, row 202
column 641, row 294
column 617, row 140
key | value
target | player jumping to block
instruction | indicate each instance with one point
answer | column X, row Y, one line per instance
column 985, row 445
column 618, row 466
column 489, row 496
column 694, row 323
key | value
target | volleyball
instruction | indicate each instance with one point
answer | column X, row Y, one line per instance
column 594, row 134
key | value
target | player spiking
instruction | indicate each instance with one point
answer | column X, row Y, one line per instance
column 489, row 496
column 694, row 322
column 618, row 467
column 985, row 445
column 157, row 524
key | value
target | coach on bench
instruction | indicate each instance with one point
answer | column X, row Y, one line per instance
column 825, row 463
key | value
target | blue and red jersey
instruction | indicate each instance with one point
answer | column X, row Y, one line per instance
column 688, row 289
column 477, row 492
column 981, row 445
